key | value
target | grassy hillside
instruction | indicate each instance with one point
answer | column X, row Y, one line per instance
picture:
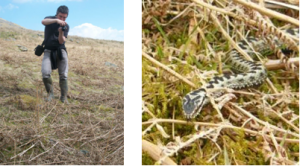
column 89, row 130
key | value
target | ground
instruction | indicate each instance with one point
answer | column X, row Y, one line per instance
column 90, row 130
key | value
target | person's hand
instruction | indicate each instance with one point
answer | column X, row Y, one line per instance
column 61, row 23
column 60, row 29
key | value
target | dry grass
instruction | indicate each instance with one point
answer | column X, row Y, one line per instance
column 185, row 44
column 88, row 131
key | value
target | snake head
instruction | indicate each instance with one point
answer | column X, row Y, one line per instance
column 193, row 103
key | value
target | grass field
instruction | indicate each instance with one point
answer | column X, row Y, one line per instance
column 90, row 130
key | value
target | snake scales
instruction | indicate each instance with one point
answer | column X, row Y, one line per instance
column 254, row 74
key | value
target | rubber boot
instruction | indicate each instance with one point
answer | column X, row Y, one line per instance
column 49, row 88
column 64, row 90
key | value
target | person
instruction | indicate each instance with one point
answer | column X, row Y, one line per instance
column 55, row 53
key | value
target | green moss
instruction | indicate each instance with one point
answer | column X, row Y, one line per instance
column 147, row 160
column 294, row 147
column 71, row 74
column 105, row 108
column 25, row 84
column 8, row 152
column 74, row 92
column 28, row 99
column 243, row 150
column 26, row 102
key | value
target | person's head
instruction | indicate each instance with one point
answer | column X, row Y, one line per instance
column 62, row 12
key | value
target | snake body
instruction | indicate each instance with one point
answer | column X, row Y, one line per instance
column 254, row 74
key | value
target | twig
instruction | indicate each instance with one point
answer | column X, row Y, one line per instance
column 262, row 122
column 154, row 151
column 20, row 154
column 238, row 17
column 268, row 12
column 168, row 69
column 215, row 125
column 44, row 152
column 281, row 4
column 277, row 64
column 42, row 119
column 115, row 151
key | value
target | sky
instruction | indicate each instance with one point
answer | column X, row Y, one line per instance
column 100, row 19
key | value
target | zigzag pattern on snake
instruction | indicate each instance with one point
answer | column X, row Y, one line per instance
column 254, row 74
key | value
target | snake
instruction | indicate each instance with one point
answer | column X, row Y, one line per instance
column 253, row 74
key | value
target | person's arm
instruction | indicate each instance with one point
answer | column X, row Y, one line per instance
column 48, row 21
column 61, row 37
